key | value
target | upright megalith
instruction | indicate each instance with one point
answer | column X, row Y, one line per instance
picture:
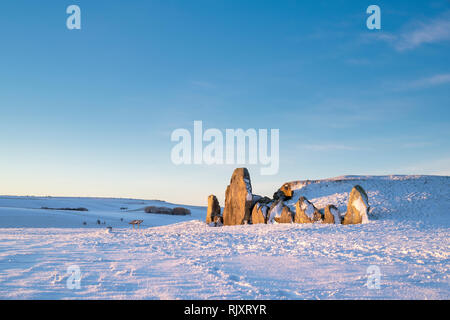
column 238, row 198
column 259, row 213
column 213, row 209
column 357, row 207
column 306, row 212
column 332, row 215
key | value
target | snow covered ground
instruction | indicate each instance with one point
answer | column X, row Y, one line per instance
column 180, row 257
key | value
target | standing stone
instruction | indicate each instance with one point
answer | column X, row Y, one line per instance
column 279, row 213
column 284, row 193
column 358, row 207
column 259, row 213
column 285, row 217
column 260, row 210
column 238, row 198
column 286, row 189
column 213, row 209
column 332, row 214
column 306, row 212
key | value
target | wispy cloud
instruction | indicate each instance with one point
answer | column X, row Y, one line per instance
column 435, row 80
column 422, row 83
column 418, row 33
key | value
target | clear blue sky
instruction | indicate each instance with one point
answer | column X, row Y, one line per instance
column 89, row 112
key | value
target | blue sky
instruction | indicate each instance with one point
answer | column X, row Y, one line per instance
column 90, row 112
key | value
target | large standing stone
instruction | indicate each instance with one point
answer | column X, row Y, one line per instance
column 238, row 198
column 213, row 209
column 358, row 207
column 306, row 212
column 332, row 214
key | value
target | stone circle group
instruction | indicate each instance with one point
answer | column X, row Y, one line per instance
column 243, row 207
